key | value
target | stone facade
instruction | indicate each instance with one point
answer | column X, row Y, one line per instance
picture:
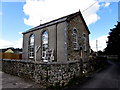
column 78, row 24
column 60, row 39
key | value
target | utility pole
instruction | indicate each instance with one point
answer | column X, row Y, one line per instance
column 96, row 47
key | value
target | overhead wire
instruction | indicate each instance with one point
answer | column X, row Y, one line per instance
column 89, row 6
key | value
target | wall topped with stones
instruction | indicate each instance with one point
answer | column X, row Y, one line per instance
column 47, row 74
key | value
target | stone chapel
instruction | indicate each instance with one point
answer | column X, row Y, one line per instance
column 61, row 40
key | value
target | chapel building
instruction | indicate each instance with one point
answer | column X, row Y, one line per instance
column 61, row 40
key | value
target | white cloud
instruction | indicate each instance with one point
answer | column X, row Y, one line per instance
column 15, row 44
column 18, row 43
column 5, row 44
column 101, row 43
column 90, row 15
column 47, row 10
column 12, row 0
column 20, row 33
column 108, row 0
column 107, row 4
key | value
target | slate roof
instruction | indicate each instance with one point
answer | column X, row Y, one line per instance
column 62, row 19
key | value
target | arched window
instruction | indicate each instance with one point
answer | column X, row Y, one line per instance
column 31, row 46
column 75, row 39
column 44, row 45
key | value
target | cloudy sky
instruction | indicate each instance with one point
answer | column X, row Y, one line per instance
column 17, row 16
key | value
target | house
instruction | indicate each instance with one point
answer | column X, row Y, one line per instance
column 15, row 50
column 61, row 40
column 11, row 53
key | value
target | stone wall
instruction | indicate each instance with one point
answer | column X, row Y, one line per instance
column 47, row 74
column 78, row 24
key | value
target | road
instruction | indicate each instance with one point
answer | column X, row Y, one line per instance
column 13, row 82
column 109, row 78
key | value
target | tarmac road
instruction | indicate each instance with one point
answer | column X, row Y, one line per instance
column 109, row 78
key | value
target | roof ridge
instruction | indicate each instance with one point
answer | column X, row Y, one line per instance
column 61, row 19
column 56, row 19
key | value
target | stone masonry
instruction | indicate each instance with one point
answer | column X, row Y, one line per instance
column 47, row 74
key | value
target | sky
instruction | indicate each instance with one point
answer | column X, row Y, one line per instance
column 17, row 16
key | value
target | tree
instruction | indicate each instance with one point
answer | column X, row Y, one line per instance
column 113, row 43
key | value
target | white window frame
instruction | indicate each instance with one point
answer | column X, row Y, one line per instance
column 31, row 46
column 75, row 39
column 44, row 52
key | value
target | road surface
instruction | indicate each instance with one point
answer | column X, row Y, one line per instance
column 13, row 82
column 109, row 78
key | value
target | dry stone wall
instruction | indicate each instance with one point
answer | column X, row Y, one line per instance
column 47, row 74
column 53, row 73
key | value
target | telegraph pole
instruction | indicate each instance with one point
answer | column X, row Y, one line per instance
column 96, row 45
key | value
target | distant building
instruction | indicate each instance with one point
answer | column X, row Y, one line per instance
column 61, row 40
column 15, row 50
column 11, row 53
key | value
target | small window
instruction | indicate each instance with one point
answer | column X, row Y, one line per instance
column 31, row 46
column 75, row 39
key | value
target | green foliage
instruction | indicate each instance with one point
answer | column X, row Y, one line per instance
column 113, row 44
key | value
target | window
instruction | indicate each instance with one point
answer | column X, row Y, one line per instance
column 75, row 39
column 44, row 45
column 31, row 46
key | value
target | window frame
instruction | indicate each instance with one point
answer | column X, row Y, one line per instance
column 75, row 39
column 44, row 52
column 31, row 47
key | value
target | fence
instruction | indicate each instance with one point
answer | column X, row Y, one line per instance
column 10, row 56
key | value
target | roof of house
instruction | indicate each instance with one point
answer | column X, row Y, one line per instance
column 9, row 51
column 62, row 19
column 15, row 50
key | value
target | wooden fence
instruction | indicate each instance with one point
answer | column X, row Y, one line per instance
column 10, row 56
